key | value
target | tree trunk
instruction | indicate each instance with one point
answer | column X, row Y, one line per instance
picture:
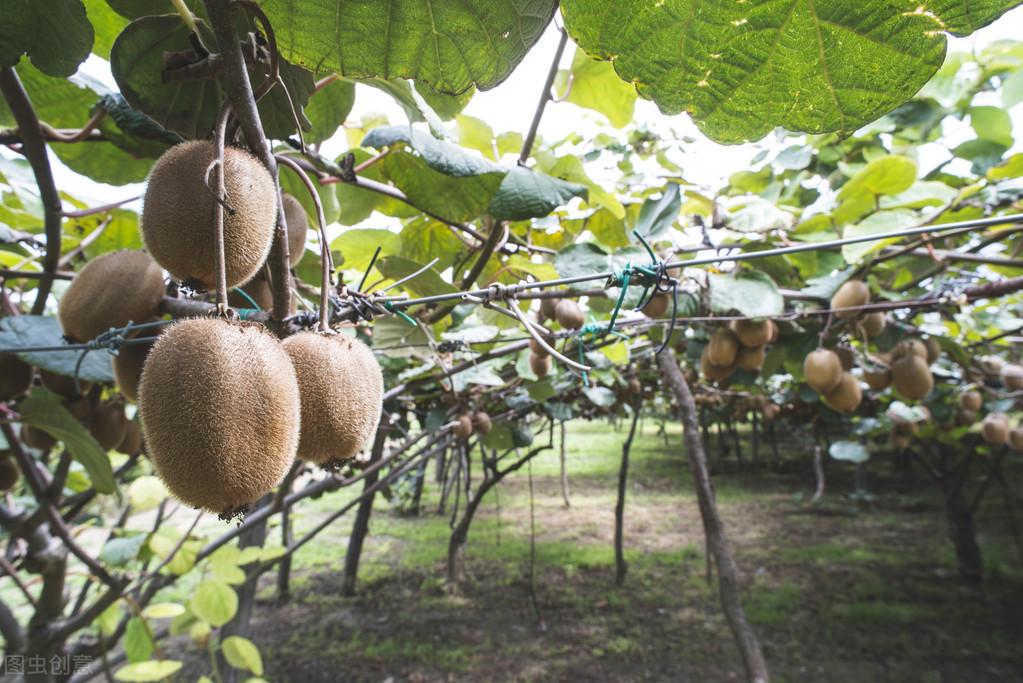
column 360, row 527
column 621, row 568
column 728, row 580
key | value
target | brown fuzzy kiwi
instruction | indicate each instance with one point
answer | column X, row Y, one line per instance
column 1012, row 377
column 971, row 400
column 910, row 347
column 547, row 307
column 912, row 377
column 298, row 227
column 33, row 437
column 220, row 406
column 723, row 347
column 540, row 365
column 1016, row 439
column 63, row 385
column 132, row 441
column 847, row 356
column 258, row 290
column 712, row 371
column 128, row 364
column 853, row 293
column 15, row 376
column 823, row 370
column 463, row 427
column 995, row 429
column 178, row 214
column 569, row 315
column 108, row 424
column 873, row 324
column 752, row 333
column 342, row 388
column 481, row 422
column 657, row 306
column 634, row 388
column 965, row 418
column 877, row 379
column 991, row 366
column 8, row 474
column 80, row 408
column 110, row 291
column 846, row 397
column 751, row 359
column 933, row 349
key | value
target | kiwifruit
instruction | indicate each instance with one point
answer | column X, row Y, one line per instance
column 751, row 359
column 132, row 441
column 933, row 349
column 108, row 424
column 1016, row 439
column 128, row 364
column 178, row 214
column 912, row 377
column 62, row 384
column 220, row 412
column 877, row 379
column 995, row 429
column 481, row 423
column 569, row 315
column 657, row 305
column 33, row 437
column 633, row 388
column 8, row 474
column 823, row 370
column 15, row 376
column 901, row 441
column 853, row 293
column 910, row 347
column 713, row 372
column 342, row 388
column 846, row 356
column 298, row 227
column 1012, row 377
column 110, row 291
column 80, row 407
column 723, row 347
column 965, row 417
column 540, row 365
column 752, row 333
column 991, row 366
column 971, row 400
column 257, row 289
column 547, row 307
column 846, row 397
column 873, row 324
column 463, row 427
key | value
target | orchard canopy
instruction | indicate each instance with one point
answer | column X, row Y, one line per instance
column 231, row 291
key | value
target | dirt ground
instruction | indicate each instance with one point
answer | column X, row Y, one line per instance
column 855, row 589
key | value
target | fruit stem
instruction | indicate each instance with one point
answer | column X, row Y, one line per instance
column 186, row 14
column 217, row 165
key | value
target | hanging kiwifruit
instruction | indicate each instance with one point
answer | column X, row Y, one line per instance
column 633, row 388
column 965, row 418
column 481, row 423
column 912, row 377
column 220, row 406
column 995, row 429
column 547, row 307
column 991, row 366
column 342, row 388
column 8, row 473
column 540, row 365
column 657, row 305
column 298, row 227
column 752, row 333
column 971, row 400
column 80, row 408
column 852, row 294
column 132, row 441
column 569, row 315
column 910, row 347
column 846, row 397
column 823, row 370
column 110, row 291
column 1016, row 439
column 33, row 437
column 723, row 347
column 463, row 427
column 877, row 378
column 751, row 359
column 108, row 424
column 62, row 384
column 1012, row 377
column 713, row 372
column 933, row 349
column 178, row 214
column 873, row 324
column 128, row 365
column 15, row 376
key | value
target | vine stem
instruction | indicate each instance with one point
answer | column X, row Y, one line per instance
column 325, row 261
column 545, row 97
column 218, row 206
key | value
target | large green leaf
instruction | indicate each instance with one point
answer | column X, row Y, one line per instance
column 880, row 222
column 106, row 23
column 215, row 602
column 424, row 239
column 658, row 215
column 241, row 653
column 56, row 34
column 328, row 108
column 152, row 670
column 593, row 84
column 749, row 293
column 357, row 246
column 36, row 330
column 525, row 194
column 450, row 44
column 743, row 68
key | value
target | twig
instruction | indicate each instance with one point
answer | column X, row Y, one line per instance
column 545, row 97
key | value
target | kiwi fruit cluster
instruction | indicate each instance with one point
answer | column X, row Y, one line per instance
column 111, row 291
column 569, row 315
column 128, row 364
column 968, row 403
column 657, row 305
column 467, row 424
column 341, row 387
column 9, row 472
column 15, row 376
column 741, row 345
column 481, row 422
column 911, row 369
column 851, row 295
column 826, row 374
column 178, row 223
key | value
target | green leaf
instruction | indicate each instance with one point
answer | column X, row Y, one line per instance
column 138, row 645
column 56, row 34
column 428, row 283
column 450, row 44
column 880, row 222
column 144, row 672
column 37, row 330
column 601, row 396
column 241, row 653
column 42, row 409
column 106, row 23
column 1012, row 89
column 593, row 84
column 215, row 602
column 749, row 293
column 424, row 239
column 850, row 451
column 145, row 493
column 119, row 551
column 328, row 108
column 1010, row 168
column 571, row 168
column 741, row 69
column 358, row 245
column 658, row 215
column 446, row 106
column 992, row 123
column 163, row 610
column 525, row 194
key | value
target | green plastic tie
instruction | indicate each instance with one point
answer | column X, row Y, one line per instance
column 238, row 290
column 401, row 314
